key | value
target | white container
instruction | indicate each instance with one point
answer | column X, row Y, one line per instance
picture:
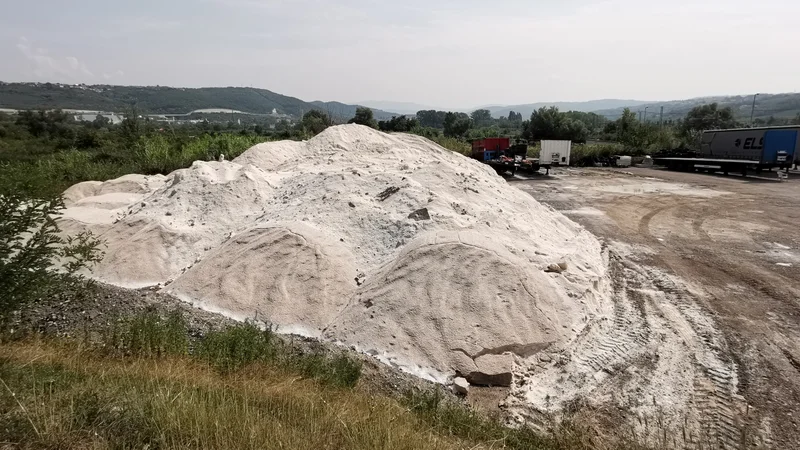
column 555, row 153
column 624, row 161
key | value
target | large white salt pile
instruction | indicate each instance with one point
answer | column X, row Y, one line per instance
column 389, row 243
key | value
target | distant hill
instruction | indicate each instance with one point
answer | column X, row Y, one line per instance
column 157, row 99
column 399, row 107
column 589, row 106
column 344, row 111
column 777, row 105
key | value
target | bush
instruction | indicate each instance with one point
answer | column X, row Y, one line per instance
column 454, row 144
column 35, row 260
column 148, row 334
column 589, row 154
column 235, row 347
column 315, row 122
column 158, row 154
column 339, row 371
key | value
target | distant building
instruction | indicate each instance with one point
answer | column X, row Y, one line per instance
column 91, row 116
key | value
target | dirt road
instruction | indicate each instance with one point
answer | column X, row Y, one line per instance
column 731, row 246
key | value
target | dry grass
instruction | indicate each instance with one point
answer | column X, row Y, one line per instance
column 146, row 386
column 59, row 396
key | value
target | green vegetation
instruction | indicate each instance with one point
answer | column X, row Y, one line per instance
column 456, row 124
column 550, row 123
column 595, row 137
column 43, row 153
column 400, row 124
column 242, row 387
column 30, row 243
column 227, row 350
column 57, row 395
column 364, row 117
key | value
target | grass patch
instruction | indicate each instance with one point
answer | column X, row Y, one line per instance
column 227, row 350
column 44, row 175
column 238, row 346
column 150, row 335
column 161, row 154
column 57, row 396
column 454, row 144
column 454, row 419
column 242, row 386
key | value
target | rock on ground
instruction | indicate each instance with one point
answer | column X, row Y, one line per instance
column 461, row 386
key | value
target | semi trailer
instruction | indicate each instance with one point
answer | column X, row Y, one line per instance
column 740, row 150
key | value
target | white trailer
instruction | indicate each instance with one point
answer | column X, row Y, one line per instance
column 555, row 153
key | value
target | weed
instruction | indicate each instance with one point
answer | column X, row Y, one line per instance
column 339, row 371
column 148, row 334
column 237, row 346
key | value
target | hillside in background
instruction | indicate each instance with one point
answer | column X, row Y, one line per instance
column 158, row 99
column 767, row 105
column 342, row 110
column 590, row 106
column 409, row 108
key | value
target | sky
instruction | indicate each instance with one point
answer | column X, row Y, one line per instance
column 447, row 53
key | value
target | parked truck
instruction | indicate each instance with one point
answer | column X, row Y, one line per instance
column 740, row 150
column 508, row 155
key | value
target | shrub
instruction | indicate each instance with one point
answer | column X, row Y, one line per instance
column 589, row 154
column 148, row 334
column 340, row 370
column 454, row 144
column 34, row 258
column 237, row 346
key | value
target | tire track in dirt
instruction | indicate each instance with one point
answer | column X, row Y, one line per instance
column 696, row 223
column 625, row 336
column 718, row 405
column 644, row 222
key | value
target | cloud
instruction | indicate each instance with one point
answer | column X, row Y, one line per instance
column 45, row 66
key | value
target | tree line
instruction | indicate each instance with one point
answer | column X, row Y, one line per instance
column 628, row 130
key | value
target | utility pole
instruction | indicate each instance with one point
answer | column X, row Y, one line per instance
column 661, row 119
column 640, row 116
column 753, row 111
column 645, row 113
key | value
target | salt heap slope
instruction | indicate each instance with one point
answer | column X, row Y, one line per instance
column 388, row 243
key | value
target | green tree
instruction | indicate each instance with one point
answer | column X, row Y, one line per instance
column 481, row 118
column 398, row 124
column 51, row 124
column 456, row 124
column 131, row 127
column 550, row 123
column 705, row 117
column 31, row 245
column 364, row 116
column 626, row 127
column 101, row 122
column 431, row 118
column 315, row 122
column 708, row 117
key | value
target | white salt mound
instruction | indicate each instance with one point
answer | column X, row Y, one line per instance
column 389, row 243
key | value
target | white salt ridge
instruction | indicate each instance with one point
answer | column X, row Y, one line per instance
column 298, row 234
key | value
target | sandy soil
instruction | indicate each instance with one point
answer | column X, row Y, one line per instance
column 709, row 264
